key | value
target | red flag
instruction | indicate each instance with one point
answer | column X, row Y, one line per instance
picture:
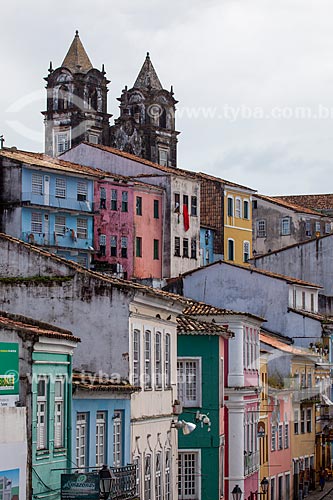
column 186, row 218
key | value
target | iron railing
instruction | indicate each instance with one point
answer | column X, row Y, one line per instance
column 251, row 462
column 124, row 485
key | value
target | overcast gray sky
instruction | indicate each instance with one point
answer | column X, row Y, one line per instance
column 253, row 78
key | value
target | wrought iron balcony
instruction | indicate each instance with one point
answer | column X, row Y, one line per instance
column 251, row 462
column 124, row 484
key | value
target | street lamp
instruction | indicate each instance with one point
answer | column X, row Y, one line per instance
column 237, row 493
column 105, row 479
column 264, row 485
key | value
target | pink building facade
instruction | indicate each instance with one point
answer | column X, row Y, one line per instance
column 128, row 228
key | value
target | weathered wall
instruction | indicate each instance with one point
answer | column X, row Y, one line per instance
column 238, row 289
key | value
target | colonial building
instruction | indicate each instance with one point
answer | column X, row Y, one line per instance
column 128, row 330
column 278, row 223
column 77, row 110
column 322, row 203
column 48, row 202
column 181, row 224
column 45, row 390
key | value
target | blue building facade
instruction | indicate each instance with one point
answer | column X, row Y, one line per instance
column 48, row 203
column 101, row 429
column 206, row 246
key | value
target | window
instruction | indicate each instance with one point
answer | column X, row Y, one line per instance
column 100, row 438
column 138, row 206
column 60, row 225
column 156, row 249
column 93, row 139
column 138, row 246
column 82, row 191
column 318, row 229
column 158, row 360
column 312, row 302
column 308, row 420
column 188, row 475
column 238, row 207
column 62, row 142
column 167, row 361
column 246, row 213
column 194, row 206
column 81, row 439
column 286, row 435
column 114, row 194
column 177, row 203
column 287, row 485
column 302, row 421
column 156, row 209
column 37, row 184
column 189, row 381
column 230, row 206
column 185, row 200
column 303, row 300
column 158, row 478
column 296, row 419
column 147, row 484
column 82, row 228
column 102, row 245
column 177, row 246
column 36, row 222
column 167, row 475
column 273, row 438
column 327, row 227
column 285, row 226
column 280, row 488
column 42, row 414
column 113, row 246
column 117, row 439
column 137, row 462
column 231, row 251
column 163, row 157
column 272, row 495
column 246, row 251
column 309, row 383
column 136, row 357
column 280, row 442
column 147, row 359
column 308, row 231
column 60, row 188
column 102, row 196
column 124, row 247
column 124, row 201
column 193, row 248
column 185, row 247
column 261, row 228
column 59, row 414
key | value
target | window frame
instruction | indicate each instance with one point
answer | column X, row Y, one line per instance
column 124, row 201
column 148, row 360
column 82, row 191
column 177, row 247
column 185, row 248
column 113, row 248
column 158, row 360
column 231, row 254
column 60, row 187
column 37, row 224
column 156, row 209
column 118, row 442
column 82, row 228
column 156, row 249
column 261, row 227
column 194, row 206
column 246, row 255
column 59, row 426
column 188, row 475
column 81, row 424
column 246, row 209
column 124, row 247
column 138, row 205
column 186, row 386
column 167, row 361
column 194, row 248
column 114, row 200
column 238, row 207
column 101, row 438
column 138, row 246
column 136, row 361
column 42, row 415
column 285, row 226
column 37, row 184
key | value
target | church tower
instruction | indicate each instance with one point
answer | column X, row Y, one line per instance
column 146, row 126
column 76, row 102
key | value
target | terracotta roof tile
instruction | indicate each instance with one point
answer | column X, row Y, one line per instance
column 313, row 201
column 317, row 316
column 202, row 309
column 278, row 344
column 45, row 161
column 187, row 325
column 90, row 381
column 286, row 204
column 210, row 177
column 33, row 328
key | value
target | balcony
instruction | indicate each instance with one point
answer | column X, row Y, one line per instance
column 307, row 395
column 251, row 462
column 67, row 240
column 43, row 200
column 124, row 485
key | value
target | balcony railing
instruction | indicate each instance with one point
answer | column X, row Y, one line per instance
column 124, row 485
column 310, row 394
column 29, row 198
column 251, row 462
column 67, row 240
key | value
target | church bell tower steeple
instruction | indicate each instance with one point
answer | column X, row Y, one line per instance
column 146, row 126
column 76, row 102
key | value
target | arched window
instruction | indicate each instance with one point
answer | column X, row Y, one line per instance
column 63, row 98
column 162, row 118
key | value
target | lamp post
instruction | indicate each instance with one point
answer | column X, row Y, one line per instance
column 264, row 485
column 105, row 479
column 237, row 493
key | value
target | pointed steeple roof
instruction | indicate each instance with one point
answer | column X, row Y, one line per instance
column 147, row 78
column 76, row 59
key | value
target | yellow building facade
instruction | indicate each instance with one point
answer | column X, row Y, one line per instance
column 237, row 224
